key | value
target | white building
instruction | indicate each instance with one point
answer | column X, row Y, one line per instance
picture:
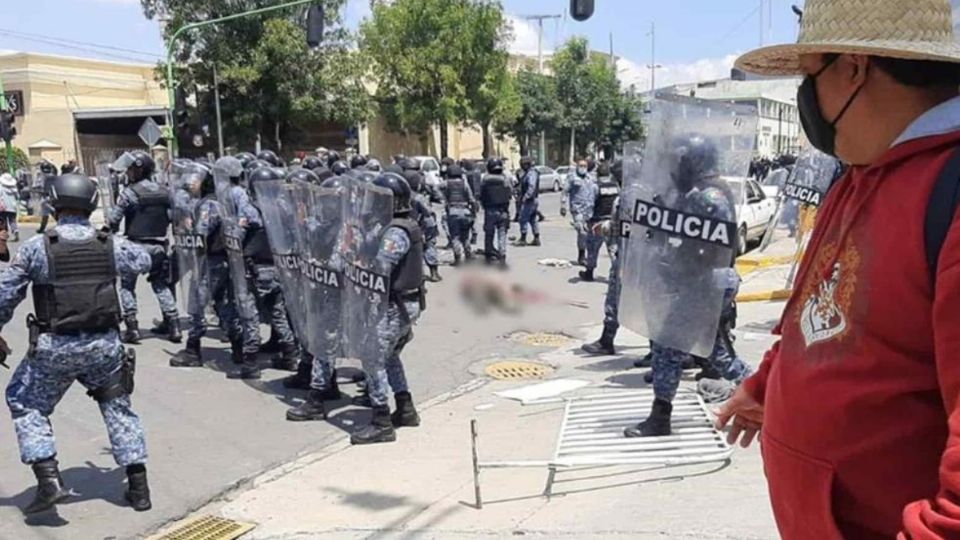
column 778, row 130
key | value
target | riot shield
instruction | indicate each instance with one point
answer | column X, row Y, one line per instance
column 366, row 213
column 105, row 186
column 805, row 190
column 188, row 247
column 323, row 269
column 233, row 234
column 683, row 231
column 281, row 203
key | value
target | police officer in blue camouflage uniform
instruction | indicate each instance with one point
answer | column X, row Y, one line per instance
column 495, row 195
column 581, row 194
column 461, row 212
column 145, row 207
column 74, row 336
column 424, row 215
column 529, row 194
column 400, row 255
column 607, row 192
column 474, row 179
column 702, row 193
column 214, row 284
column 612, row 229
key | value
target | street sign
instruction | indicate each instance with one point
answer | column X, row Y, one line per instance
column 15, row 102
column 149, row 132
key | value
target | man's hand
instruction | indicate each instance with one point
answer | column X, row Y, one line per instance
column 747, row 417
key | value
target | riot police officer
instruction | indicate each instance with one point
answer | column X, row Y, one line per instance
column 529, row 195
column 358, row 162
column 312, row 163
column 424, row 214
column 495, row 194
column 48, row 171
column 474, row 179
column 74, row 336
column 400, row 257
column 580, row 193
column 270, row 157
column 615, row 233
column 461, row 212
column 145, row 207
column 607, row 192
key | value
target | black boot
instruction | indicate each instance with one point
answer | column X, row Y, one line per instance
column 536, row 240
column 249, row 369
column 300, row 380
column 523, row 240
column 236, row 351
column 380, row 429
column 288, row 360
column 645, row 362
column 174, row 335
column 581, row 258
column 311, row 409
column 50, row 490
column 603, row 346
column 272, row 346
column 586, row 275
column 434, row 274
column 189, row 356
column 405, row 415
column 656, row 425
column 138, row 491
column 132, row 335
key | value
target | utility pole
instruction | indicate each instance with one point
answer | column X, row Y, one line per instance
column 216, row 98
column 653, row 65
column 540, row 19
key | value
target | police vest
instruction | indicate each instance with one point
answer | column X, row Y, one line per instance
column 528, row 178
column 214, row 240
column 256, row 246
column 495, row 191
column 150, row 219
column 408, row 274
column 81, row 295
column 457, row 192
column 607, row 192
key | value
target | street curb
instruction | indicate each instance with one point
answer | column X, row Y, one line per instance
column 765, row 296
column 747, row 265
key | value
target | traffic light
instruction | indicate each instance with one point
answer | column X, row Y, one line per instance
column 315, row 26
column 7, row 128
column 581, row 10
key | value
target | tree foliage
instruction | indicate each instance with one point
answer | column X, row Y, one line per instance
column 438, row 61
column 20, row 159
column 538, row 108
column 271, row 82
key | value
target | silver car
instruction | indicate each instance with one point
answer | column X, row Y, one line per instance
column 549, row 179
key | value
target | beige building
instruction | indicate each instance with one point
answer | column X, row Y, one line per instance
column 79, row 108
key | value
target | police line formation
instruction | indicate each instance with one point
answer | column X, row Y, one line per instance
column 331, row 256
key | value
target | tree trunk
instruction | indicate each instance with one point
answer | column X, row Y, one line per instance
column 276, row 135
column 487, row 142
column 524, row 144
column 573, row 143
column 443, row 138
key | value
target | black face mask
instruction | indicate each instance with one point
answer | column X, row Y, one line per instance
column 821, row 132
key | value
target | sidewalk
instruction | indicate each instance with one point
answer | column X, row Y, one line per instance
column 422, row 485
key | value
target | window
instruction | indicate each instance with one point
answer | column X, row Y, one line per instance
column 430, row 165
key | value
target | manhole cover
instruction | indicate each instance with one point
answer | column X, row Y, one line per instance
column 541, row 339
column 517, row 370
column 207, row 528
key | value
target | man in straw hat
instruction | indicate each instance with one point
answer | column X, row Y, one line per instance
column 858, row 402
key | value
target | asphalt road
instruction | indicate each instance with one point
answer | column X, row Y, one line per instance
column 206, row 434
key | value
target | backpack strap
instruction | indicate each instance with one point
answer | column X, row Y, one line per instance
column 941, row 210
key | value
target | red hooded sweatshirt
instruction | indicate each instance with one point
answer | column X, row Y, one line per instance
column 861, row 438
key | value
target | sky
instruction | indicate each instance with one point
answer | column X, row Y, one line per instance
column 695, row 39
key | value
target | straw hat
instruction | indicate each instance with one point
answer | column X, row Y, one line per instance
column 908, row 29
column 7, row 181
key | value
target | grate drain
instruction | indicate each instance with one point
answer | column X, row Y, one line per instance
column 517, row 370
column 207, row 528
column 541, row 339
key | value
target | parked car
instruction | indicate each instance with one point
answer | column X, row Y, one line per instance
column 754, row 210
column 430, row 168
column 563, row 172
column 773, row 183
column 549, row 179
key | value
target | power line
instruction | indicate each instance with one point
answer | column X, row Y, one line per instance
column 74, row 42
column 739, row 24
column 75, row 47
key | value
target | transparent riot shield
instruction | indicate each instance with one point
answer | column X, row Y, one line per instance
column 233, row 231
column 683, row 230
column 323, row 268
column 189, row 251
column 367, row 211
column 281, row 203
column 105, row 179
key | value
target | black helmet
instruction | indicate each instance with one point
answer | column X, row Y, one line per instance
column 526, row 162
column 257, row 164
column 445, row 164
column 339, row 168
column 311, row 162
column 358, row 161
column 333, row 182
column 245, row 158
column 467, row 165
column 399, row 187
column 144, row 163
column 48, row 168
column 270, row 157
column 374, row 165
column 495, row 166
column 414, row 180
column 74, row 191
column 332, row 157
column 396, row 169
column 696, row 158
column 303, row 175
column 454, row 171
column 603, row 170
column 399, row 159
column 262, row 174
column 410, row 164
column 324, row 173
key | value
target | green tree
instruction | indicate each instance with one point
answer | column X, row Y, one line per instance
column 20, row 160
column 538, row 111
column 437, row 61
column 626, row 124
column 271, row 83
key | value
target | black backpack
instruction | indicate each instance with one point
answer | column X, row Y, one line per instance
column 941, row 209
